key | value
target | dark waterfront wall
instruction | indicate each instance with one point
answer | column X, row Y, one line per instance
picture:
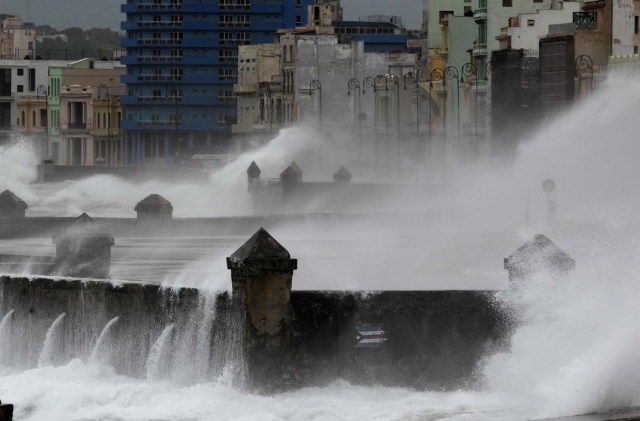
column 434, row 339
column 144, row 311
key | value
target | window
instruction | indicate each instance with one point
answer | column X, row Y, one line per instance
column 298, row 3
column 531, row 22
column 20, row 88
column 298, row 20
column 21, row 71
column 635, row 49
column 227, row 56
column 226, row 74
column 636, row 24
column 507, row 3
column 32, row 80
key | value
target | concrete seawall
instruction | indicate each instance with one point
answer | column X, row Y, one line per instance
column 432, row 339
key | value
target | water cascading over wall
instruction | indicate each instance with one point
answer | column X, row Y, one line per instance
column 200, row 345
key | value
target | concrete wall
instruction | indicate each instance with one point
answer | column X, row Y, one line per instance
column 435, row 339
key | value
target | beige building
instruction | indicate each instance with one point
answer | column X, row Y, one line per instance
column 17, row 39
column 259, row 89
column 90, row 115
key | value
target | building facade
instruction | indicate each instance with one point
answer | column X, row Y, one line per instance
column 182, row 64
column 17, row 38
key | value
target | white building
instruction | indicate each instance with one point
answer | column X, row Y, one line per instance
column 525, row 30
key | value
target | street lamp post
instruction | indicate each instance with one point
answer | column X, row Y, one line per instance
column 315, row 85
column 451, row 73
column 414, row 79
column 43, row 90
column 437, row 75
column 468, row 70
column 104, row 90
column 369, row 83
column 583, row 63
column 354, row 85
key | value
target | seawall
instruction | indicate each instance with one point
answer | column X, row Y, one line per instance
column 431, row 339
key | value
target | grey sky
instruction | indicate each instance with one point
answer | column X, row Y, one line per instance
column 100, row 13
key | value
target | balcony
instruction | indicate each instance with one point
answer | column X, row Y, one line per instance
column 151, row 25
column 171, row 99
column 76, row 126
column 158, row 77
column 134, row 8
column 480, row 14
column 480, row 50
column 150, row 59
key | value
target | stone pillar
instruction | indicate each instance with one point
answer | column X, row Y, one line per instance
column 537, row 255
column 83, row 250
column 261, row 278
column 289, row 179
column 6, row 412
column 253, row 172
column 342, row 176
column 154, row 209
column 11, row 206
column 253, row 177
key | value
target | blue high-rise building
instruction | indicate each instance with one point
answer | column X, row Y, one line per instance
column 182, row 65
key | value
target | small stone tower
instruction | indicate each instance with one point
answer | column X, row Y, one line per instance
column 261, row 278
column 536, row 255
column 11, row 206
column 342, row 176
column 289, row 180
column 83, row 250
column 154, row 209
column 253, row 172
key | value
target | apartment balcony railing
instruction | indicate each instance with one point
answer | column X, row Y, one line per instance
column 159, row 99
column 159, row 77
column 154, row 24
column 159, row 41
column 155, row 59
column 158, row 123
column 173, row 6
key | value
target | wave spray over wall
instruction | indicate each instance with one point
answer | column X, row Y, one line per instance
column 574, row 344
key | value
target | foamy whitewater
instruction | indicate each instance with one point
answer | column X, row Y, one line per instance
column 574, row 350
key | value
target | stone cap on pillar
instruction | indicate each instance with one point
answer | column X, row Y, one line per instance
column 8, row 199
column 539, row 253
column 85, row 228
column 262, row 252
column 292, row 173
column 154, row 203
column 253, row 171
column 342, row 175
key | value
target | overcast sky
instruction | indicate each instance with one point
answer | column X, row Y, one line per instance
column 100, row 13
